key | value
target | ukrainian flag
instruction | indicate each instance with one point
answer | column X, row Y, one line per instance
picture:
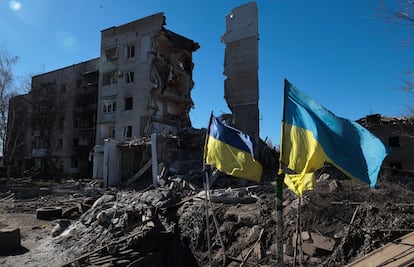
column 231, row 151
column 312, row 135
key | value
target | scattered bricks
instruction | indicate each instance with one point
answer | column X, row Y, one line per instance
column 253, row 233
column 323, row 177
column 103, row 219
column 257, row 251
column 323, row 242
column 61, row 226
column 309, row 248
column 9, row 240
column 334, row 186
column 305, row 235
column 67, row 212
column 315, row 260
column 272, row 249
column 44, row 191
column 87, row 203
column 313, row 242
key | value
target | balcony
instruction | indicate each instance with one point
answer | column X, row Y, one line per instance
column 107, row 117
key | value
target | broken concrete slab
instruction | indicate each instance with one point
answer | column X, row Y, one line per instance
column 9, row 239
column 322, row 242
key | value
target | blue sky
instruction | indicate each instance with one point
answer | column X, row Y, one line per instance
column 340, row 53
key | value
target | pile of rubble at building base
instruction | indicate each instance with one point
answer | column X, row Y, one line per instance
column 341, row 221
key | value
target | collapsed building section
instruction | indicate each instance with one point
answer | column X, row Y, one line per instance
column 145, row 88
column 241, row 65
column 398, row 134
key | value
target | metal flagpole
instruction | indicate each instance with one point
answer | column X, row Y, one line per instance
column 205, row 181
column 279, row 194
column 206, row 188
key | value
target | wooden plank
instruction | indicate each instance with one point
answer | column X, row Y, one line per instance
column 399, row 253
column 105, row 260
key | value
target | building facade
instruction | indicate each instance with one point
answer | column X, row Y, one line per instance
column 398, row 134
column 58, row 122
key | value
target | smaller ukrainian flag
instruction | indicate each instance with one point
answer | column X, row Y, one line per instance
column 231, row 151
column 312, row 135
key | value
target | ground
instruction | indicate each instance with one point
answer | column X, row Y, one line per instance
column 166, row 226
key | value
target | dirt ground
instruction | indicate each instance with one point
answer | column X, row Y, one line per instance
column 166, row 226
column 35, row 235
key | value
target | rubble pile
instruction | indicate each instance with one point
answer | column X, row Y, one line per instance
column 340, row 221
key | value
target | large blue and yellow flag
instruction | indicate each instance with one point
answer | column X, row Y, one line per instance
column 231, row 151
column 312, row 135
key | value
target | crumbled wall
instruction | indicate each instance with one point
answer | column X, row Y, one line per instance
column 241, row 88
column 398, row 134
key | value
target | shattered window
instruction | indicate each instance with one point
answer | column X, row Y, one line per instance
column 111, row 53
column 130, row 51
column 127, row 131
column 109, row 78
column 129, row 77
column 109, row 105
column 394, row 141
column 128, row 103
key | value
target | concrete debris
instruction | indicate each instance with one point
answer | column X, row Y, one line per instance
column 10, row 240
column 61, row 226
column 141, row 225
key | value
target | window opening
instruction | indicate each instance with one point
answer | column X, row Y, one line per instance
column 109, row 105
column 128, row 103
column 130, row 51
column 394, row 141
column 109, row 78
column 127, row 131
column 111, row 53
column 129, row 77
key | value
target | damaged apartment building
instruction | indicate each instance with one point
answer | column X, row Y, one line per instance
column 52, row 128
column 398, row 134
column 89, row 119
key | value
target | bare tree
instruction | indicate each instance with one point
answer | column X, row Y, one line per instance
column 401, row 14
column 6, row 91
